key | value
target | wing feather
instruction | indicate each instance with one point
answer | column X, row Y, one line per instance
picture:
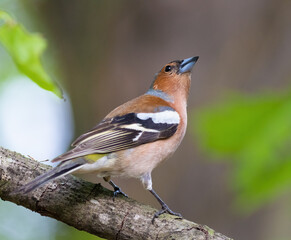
column 122, row 132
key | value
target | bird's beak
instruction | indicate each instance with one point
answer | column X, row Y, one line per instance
column 187, row 64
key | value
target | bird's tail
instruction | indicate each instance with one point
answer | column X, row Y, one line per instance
column 59, row 171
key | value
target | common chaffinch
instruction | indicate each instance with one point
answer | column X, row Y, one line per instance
column 135, row 137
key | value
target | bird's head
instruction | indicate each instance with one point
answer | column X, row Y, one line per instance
column 175, row 77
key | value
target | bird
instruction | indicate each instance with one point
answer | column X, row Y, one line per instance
column 134, row 138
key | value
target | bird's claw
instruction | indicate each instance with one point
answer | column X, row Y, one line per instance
column 117, row 191
column 165, row 209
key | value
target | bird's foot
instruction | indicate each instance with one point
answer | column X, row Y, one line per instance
column 117, row 190
column 165, row 209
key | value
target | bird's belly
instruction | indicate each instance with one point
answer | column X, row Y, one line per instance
column 143, row 159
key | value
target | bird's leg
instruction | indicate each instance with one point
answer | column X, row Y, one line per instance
column 147, row 182
column 165, row 208
column 117, row 190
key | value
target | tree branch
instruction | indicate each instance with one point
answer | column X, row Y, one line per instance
column 90, row 207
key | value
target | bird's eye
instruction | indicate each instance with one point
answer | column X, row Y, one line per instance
column 168, row 68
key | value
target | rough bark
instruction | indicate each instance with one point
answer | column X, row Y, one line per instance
column 90, row 207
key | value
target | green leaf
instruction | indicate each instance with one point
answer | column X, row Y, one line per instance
column 255, row 132
column 26, row 49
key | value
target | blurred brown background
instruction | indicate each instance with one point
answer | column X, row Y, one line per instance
column 108, row 52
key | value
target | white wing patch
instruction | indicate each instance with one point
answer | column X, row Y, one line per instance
column 168, row 117
column 137, row 137
column 138, row 127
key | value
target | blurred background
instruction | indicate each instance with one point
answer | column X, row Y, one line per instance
column 232, row 172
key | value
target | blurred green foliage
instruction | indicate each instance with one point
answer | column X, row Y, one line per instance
column 66, row 232
column 26, row 49
column 254, row 132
